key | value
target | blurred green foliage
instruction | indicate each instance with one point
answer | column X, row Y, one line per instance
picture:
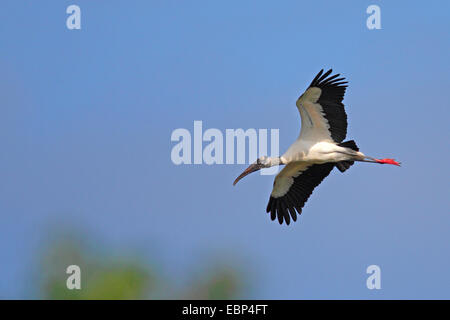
column 110, row 277
column 223, row 283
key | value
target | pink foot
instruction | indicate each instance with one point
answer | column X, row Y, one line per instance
column 388, row 161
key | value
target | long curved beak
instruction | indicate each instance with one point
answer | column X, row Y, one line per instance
column 252, row 168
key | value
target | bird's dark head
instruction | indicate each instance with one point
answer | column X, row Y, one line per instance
column 261, row 162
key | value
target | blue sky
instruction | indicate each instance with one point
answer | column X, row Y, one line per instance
column 86, row 118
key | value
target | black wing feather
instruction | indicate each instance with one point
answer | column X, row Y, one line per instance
column 333, row 91
column 298, row 193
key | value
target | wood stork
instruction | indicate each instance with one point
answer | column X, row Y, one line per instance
column 317, row 150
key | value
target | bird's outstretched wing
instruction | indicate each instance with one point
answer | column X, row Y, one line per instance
column 292, row 188
column 321, row 109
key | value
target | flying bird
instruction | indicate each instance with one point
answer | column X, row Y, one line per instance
column 317, row 151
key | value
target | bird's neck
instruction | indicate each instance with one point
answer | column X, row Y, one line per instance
column 275, row 161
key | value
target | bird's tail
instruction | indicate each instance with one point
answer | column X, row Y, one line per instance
column 351, row 144
column 344, row 165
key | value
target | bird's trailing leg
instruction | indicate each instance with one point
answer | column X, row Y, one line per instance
column 388, row 161
column 382, row 161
